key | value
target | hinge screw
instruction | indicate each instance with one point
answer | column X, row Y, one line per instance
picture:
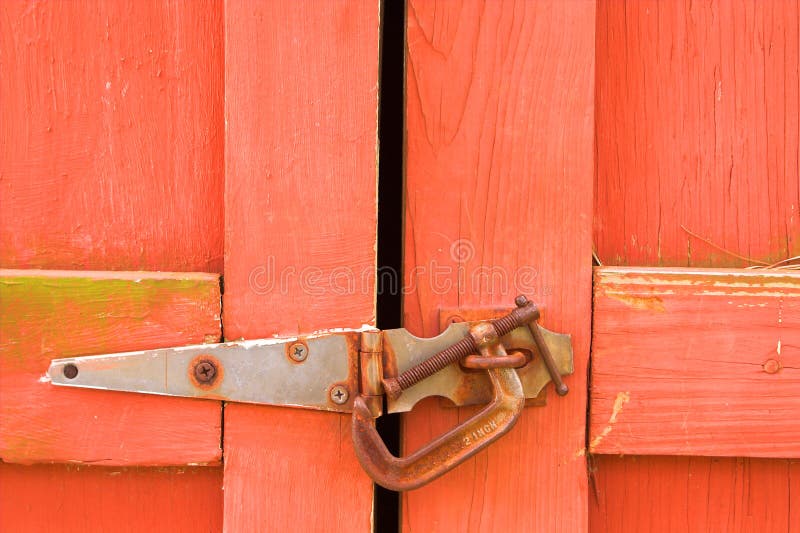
column 205, row 371
column 298, row 352
column 339, row 394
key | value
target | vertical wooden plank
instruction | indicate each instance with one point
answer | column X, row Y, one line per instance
column 111, row 159
column 70, row 498
column 300, row 222
column 697, row 128
column 500, row 154
column 111, row 142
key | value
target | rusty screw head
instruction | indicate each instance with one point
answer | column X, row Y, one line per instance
column 339, row 394
column 298, row 352
column 205, row 371
column 70, row 371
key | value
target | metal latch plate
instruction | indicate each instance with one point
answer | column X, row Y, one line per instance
column 404, row 350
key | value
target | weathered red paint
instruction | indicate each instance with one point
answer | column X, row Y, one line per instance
column 698, row 132
column 696, row 362
column 111, row 142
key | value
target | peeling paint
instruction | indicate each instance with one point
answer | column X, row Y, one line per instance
column 621, row 399
column 647, row 303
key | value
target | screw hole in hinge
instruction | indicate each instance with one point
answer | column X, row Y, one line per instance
column 70, row 371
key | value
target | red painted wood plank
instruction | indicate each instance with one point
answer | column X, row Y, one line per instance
column 698, row 125
column 500, row 155
column 301, row 113
column 85, row 499
column 51, row 314
column 694, row 495
column 696, row 362
column 111, row 143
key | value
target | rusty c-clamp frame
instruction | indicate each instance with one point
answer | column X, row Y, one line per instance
column 467, row 439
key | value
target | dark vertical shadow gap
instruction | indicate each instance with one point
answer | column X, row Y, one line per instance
column 391, row 131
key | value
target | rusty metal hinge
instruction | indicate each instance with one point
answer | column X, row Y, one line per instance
column 497, row 362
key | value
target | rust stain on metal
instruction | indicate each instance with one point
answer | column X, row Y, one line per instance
column 206, row 372
column 523, row 314
column 514, row 359
column 544, row 351
column 339, row 394
column 297, row 352
column 371, row 370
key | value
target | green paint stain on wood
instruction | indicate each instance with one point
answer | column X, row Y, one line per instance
column 61, row 314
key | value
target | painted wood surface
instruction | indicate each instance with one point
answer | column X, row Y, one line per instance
column 74, row 498
column 111, row 142
column 698, row 117
column 696, row 362
column 52, row 314
column 500, row 154
column 694, row 495
column 697, row 126
column 300, row 226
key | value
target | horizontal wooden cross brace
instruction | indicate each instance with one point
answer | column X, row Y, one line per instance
column 696, row 362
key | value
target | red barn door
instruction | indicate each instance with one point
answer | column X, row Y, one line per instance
column 149, row 149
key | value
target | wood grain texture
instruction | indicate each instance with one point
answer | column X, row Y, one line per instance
column 52, row 314
column 698, row 110
column 300, row 226
column 696, row 362
column 292, row 472
column 82, row 499
column 111, row 143
column 500, row 154
column 694, row 495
